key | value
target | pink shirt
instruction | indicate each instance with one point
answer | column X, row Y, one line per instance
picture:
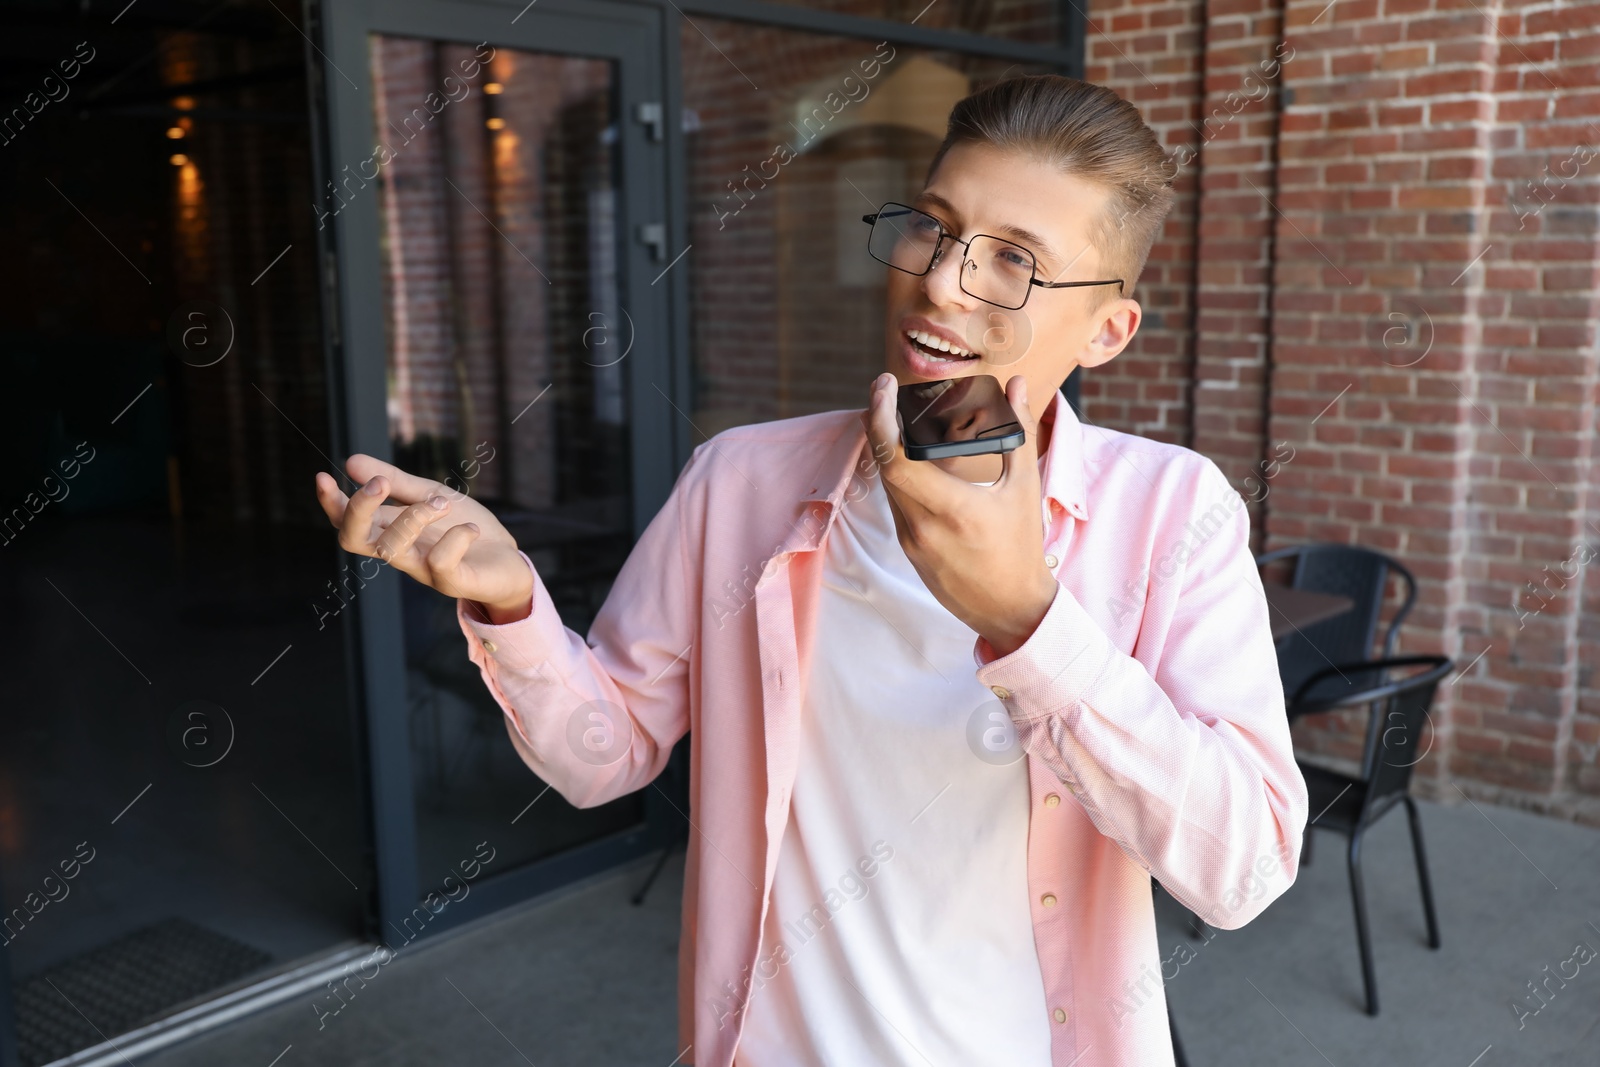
column 927, row 955
column 1148, row 701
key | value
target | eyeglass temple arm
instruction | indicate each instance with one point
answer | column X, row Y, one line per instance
column 1070, row 285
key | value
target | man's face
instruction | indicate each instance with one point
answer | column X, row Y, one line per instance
column 979, row 188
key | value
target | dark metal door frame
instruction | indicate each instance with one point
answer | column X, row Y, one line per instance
column 629, row 35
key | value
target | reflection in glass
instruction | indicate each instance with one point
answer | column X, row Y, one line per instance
column 787, row 302
column 505, row 345
column 1017, row 20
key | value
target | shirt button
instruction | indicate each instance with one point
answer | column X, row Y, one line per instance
column 1052, row 800
column 1051, row 561
column 1060, row 1015
column 1000, row 691
column 488, row 646
column 1048, row 900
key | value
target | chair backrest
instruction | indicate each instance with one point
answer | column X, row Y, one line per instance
column 1346, row 570
column 1394, row 731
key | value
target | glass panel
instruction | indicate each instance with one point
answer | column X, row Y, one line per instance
column 780, row 180
column 1038, row 21
column 180, row 791
column 499, row 205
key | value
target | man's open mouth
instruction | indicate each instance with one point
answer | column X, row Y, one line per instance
column 936, row 349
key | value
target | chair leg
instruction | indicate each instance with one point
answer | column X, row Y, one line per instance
column 1422, row 872
column 1363, row 933
column 1305, row 846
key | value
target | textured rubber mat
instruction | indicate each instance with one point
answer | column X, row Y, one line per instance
column 124, row 984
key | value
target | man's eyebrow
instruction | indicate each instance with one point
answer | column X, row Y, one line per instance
column 1043, row 249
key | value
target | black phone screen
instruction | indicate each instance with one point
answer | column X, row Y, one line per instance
column 968, row 415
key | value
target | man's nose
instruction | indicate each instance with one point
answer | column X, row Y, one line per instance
column 942, row 283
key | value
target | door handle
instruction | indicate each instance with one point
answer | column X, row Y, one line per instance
column 650, row 114
column 654, row 234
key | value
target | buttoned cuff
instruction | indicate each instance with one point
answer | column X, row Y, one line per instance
column 526, row 633
column 1055, row 667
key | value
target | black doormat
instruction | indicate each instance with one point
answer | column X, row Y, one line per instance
column 122, row 985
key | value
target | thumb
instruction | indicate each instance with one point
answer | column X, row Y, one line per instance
column 1022, row 461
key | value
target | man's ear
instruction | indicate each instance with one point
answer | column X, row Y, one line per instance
column 1119, row 321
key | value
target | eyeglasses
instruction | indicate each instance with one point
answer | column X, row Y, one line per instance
column 995, row 271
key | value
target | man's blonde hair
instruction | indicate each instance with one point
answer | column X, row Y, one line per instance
column 1090, row 132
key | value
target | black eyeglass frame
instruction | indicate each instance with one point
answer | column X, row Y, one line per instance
column 961, row 278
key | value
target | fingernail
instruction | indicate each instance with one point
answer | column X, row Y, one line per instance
column 437, row 503
column 372, row 487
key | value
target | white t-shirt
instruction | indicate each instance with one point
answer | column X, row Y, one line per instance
column 901, row 894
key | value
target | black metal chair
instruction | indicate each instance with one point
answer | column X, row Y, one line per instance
column 1348, row 805
column 1344, row 570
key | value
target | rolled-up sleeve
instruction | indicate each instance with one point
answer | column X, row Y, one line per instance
column 1189, row 769
column 597, row 719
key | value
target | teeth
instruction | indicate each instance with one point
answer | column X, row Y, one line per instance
column 938, row 344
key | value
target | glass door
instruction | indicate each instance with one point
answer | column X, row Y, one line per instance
column 495, row 193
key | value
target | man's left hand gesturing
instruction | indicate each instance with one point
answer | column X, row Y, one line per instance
column 978, row 548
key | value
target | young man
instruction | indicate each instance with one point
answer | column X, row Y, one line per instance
column 946, row 724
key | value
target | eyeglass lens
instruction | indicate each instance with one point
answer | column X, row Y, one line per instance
column 995, row 271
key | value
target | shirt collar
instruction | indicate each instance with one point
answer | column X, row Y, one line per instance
column 1061, row 473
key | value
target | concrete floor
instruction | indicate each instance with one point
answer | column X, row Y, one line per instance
column 588, row 979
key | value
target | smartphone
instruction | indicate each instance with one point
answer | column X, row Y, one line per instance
column 965, row 416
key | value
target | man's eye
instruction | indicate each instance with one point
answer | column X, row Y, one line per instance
column 1013, row 260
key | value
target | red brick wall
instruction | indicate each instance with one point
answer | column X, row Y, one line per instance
column 474, row 278
column 1394, row 257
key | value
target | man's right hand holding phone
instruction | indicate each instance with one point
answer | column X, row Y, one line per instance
column 439, row 536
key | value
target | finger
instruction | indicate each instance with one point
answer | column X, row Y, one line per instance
column 355, row 530
column 406, row 488
column 910, row 483
column 444, row 558
column 1023, row 460
column 397, row 540
column 332, row 498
